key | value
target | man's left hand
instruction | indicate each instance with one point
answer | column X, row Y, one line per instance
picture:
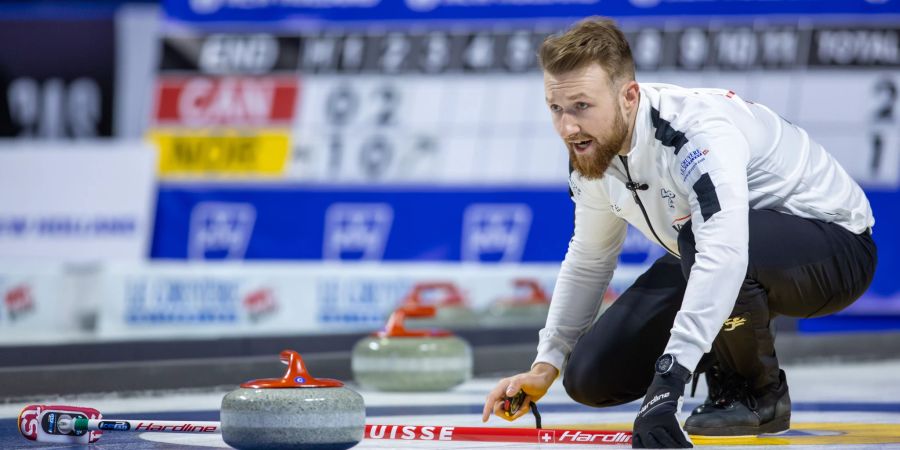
column 656, row 425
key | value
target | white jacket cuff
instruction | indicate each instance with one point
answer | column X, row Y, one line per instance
column 687, row 354
column 554, row 357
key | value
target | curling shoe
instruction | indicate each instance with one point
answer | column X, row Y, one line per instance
column 738, row 412
column 716, row 381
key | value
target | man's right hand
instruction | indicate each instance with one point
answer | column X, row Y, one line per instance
column 534, row 382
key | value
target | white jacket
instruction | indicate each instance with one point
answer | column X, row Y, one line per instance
column 704, row 155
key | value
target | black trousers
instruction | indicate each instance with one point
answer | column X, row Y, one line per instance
column 797, row 267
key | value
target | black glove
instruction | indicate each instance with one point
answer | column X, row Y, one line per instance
column 656, row 425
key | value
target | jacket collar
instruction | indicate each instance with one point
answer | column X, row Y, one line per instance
column 640, row 137
column 643, row 128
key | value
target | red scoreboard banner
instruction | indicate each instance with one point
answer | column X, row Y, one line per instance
column 209, row 101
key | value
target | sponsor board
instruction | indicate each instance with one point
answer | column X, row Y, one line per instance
column 358, row 223
column 204, row 101
column 62, row 203
column 183, row 299
column 38, row 303
column 222, row 152
column 197, row 300
column 159, row 300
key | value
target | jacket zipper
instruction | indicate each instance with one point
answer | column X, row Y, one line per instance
column 633, row 187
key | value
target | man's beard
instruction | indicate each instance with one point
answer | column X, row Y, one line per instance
column 593, row 165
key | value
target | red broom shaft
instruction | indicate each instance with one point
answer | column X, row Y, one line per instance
column 485, row 434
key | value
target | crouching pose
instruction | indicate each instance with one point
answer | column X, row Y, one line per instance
column 757, row 220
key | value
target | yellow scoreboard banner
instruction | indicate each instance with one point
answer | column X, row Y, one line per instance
column 222, row 152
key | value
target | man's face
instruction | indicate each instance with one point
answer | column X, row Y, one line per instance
column 586, row 114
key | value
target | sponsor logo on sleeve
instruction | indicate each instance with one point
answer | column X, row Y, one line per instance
column 691, row 162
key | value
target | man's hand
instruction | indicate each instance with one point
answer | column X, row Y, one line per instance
column 656, row 425
column 534, row 382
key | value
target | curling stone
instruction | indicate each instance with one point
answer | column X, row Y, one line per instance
column 293, row 412
column 528, row 307
column 452, row 311
column 398, row 359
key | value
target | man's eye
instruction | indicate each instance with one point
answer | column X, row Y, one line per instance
column 555, row 108
column 581, row 105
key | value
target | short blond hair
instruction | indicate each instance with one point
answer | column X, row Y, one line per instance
column 591, row 40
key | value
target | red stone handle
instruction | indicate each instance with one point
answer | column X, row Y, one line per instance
column 452, row 295
column 535, row 296
column 396, row 327
column 296, row 376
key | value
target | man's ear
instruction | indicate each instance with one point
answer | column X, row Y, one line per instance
column 630, row 94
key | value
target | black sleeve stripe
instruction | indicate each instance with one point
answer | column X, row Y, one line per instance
column 706, row 196
column 669, row 136
column 571, row 169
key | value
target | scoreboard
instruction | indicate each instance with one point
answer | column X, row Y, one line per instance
column 461, row 101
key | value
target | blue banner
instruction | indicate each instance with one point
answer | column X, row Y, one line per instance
column 309, row 223
column 380, row 224
column 414, row 10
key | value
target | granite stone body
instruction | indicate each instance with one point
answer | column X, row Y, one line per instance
column 454, row 317
column 293, row 418
column 412, row 363
column 517, row 314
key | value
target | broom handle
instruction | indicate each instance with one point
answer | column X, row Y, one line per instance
column 377, row 432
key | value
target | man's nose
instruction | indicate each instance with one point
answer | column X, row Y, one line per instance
column 569, row 126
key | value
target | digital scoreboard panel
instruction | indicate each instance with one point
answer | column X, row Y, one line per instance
column 459, row 100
